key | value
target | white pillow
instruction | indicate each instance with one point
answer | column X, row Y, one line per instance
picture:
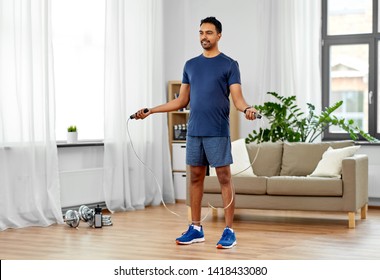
column 331, row 163
column 241, row 160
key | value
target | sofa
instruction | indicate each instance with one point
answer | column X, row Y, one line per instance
column 326, row 176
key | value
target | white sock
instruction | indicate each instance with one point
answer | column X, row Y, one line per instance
column 230, row 229
column 198, row 228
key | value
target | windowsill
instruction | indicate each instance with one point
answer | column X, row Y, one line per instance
column 366, row 143
column 64, row 144
column 358, row 142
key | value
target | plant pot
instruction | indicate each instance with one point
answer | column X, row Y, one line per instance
column 72, row 137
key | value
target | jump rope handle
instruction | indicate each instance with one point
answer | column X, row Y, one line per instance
column 146, row 110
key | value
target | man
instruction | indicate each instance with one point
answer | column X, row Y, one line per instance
column 207, row 81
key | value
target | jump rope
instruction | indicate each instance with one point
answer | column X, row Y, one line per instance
column 258, row 117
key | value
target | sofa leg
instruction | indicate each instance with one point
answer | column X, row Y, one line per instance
column 351, row 219
column 363, row 211
column 214, row 213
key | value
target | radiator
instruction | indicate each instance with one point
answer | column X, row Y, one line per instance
column 81, row 187
column 373, row 185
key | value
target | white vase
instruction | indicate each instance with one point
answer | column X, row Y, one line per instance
column 72, row 137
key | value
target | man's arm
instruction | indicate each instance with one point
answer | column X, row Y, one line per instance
column 240, row 103
column 178, row 103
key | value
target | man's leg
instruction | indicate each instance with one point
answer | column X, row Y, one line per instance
column 224, row 177
column 228, row 239
column 197, row 176
column 196, row 159
column 195, row 232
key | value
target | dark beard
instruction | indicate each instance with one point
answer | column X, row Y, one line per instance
column 207, row 46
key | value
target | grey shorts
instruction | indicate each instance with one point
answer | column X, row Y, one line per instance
column 213, row 151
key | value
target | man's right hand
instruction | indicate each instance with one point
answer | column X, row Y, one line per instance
column 141, row 114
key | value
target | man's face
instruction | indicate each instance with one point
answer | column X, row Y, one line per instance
column 208, row 36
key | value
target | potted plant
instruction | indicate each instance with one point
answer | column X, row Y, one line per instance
column 72, row 134
column 288, row 123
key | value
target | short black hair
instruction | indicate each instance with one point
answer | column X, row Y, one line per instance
column 214, row 21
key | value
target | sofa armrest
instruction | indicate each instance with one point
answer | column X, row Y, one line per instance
column 355, row 182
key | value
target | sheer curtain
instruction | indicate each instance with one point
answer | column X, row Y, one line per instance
column 133, row 79
column 288, row 52
column 29, row 182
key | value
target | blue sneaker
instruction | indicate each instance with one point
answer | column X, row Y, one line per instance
column 191, row 236
column 228, row 239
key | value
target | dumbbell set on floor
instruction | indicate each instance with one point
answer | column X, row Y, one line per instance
column 93, row 217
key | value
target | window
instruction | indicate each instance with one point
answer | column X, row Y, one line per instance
column 349, row 69
column 78, row 28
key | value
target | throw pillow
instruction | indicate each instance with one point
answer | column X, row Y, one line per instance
column 241, row 160
column 292, row 165
column 331, row 163
column 267, row 157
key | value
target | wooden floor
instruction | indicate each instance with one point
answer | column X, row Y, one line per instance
column 149, row 235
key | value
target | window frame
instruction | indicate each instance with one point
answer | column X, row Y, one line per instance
column 370, row 39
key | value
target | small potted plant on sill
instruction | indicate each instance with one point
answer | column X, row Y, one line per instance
column 72, row 134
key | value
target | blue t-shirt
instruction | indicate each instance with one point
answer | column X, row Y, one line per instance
column 209, row 80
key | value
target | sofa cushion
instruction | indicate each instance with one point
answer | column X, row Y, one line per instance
column 268, row 160
column 242, row 185
column 341, row 144
column 304, row 186
column 300, row 159
column 241, row 165
column 331, row 163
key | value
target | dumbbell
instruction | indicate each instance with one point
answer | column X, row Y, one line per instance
column 72, row 218
column 87, row 215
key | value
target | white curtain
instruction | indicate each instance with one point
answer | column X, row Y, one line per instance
column 29, row 182
column 133, row 79
column 288, row 49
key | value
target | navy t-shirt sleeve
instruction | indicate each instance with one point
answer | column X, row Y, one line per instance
column 234, row 77
column 185, row 77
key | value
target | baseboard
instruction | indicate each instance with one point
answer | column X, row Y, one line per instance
column 89, row 205
column 374, row 201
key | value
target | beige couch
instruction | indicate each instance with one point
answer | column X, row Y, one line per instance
column 282, row 181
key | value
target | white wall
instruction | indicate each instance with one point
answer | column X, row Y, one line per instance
column 174, row 38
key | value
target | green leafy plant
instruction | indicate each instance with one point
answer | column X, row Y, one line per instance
column 288, row 123
column 72, row 128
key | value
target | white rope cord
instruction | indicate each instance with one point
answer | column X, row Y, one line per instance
column 150, row 170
